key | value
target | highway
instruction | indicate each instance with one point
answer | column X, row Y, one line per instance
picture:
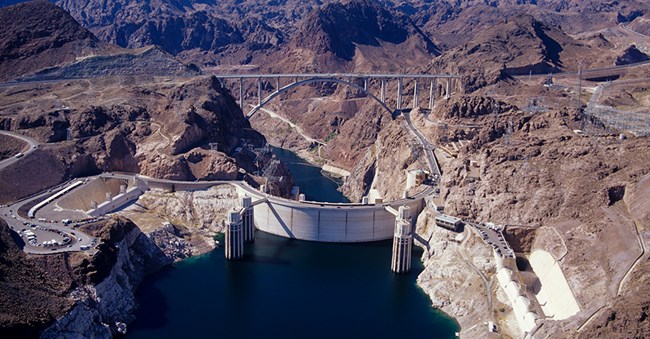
column 632, row 31
column 33, row 145
column 428, row 147
column 257, row 194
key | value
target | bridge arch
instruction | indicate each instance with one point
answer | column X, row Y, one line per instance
column 311, row 81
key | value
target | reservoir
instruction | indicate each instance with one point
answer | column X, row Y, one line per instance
column 286, row 288
column 310, row 179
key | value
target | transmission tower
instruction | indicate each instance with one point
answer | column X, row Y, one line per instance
column 269, row 171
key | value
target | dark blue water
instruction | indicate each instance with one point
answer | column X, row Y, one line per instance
column 312, row 182
column 286, row 288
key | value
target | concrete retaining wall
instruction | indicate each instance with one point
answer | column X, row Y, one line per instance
column 189, row 186
column 115, row 203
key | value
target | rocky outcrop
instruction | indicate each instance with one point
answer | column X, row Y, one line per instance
column 193, row 217
column 171, row 241
column 9, row 146
column 30, row 296
column 450, row 276
column 382, row 170
column 157, row 129
column 473, row 106
column 109, row 297
column 519, row 45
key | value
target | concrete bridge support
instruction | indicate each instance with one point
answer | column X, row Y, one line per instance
column 234, row 245
column 402, row 241
column 241, row 94
column 415, row 94
column 448, row 89
column 399, row 93
column 432, row 92
column 248, row 221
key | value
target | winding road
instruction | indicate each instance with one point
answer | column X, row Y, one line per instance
column 33, row 145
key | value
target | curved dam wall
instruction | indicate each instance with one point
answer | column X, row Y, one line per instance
column 327, row 222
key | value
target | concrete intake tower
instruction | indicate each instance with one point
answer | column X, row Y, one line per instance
column 402, row 241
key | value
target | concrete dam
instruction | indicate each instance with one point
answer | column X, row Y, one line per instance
column 328, row 222
column 303, row 220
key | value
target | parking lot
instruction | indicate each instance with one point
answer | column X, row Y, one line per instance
column 493, row 236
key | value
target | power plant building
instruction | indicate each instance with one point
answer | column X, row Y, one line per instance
column 448, row 222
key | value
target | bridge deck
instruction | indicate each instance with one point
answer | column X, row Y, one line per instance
column 336, row 75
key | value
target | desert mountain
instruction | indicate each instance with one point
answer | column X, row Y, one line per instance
column 515, row 46
column 39, row 34
column 193, row 27
column 329, row 35
column 452, row 23
column 358, row 35
column 42, row 41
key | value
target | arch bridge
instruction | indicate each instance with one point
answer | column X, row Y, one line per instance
column 288, row 81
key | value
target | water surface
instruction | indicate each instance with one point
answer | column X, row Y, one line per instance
column 286, row 288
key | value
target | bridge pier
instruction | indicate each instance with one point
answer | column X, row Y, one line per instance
column 383, row 90
column 241, row 94
column 259, row 92
column 448, row 89
column 399, row 93
column 402, row 241
column 432, row 97
column 234, row 245
column 415, row 94
column 248, row 219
